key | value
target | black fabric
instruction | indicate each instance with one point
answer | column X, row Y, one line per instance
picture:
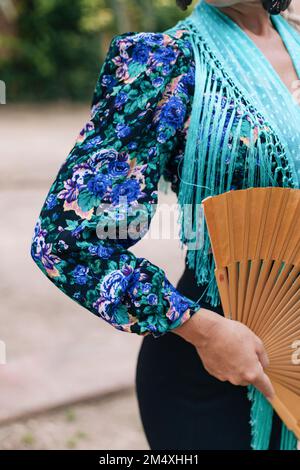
column 183, row 407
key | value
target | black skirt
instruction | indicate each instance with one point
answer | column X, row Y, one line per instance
column 183, row 407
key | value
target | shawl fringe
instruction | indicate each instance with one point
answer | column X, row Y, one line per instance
column 210, row 167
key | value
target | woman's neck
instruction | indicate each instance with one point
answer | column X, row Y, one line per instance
column 251, row 17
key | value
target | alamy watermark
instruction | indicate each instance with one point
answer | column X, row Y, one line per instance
column 296, row 353
column 130, row 220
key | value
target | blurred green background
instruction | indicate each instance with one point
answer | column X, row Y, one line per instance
column 69, row 380
column 53, row 49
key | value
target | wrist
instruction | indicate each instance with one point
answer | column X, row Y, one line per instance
column 199, row 328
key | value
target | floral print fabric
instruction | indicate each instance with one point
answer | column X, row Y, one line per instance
column 136, row 133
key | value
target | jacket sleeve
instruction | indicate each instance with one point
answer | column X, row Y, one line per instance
column 104, row 195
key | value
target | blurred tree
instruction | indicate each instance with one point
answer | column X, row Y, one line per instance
column 121, row 15
column 148, row 22
column 58, row 45
column 52, row 57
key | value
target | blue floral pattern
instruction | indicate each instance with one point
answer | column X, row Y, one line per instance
column 138, row 123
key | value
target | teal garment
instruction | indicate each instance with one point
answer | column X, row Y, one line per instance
column 243, row 130
column 288, row 114
column 256, row 74
column 237, row 91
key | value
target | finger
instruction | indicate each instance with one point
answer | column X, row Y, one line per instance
column 264, row 385
column 263, row 357
column 262, row 353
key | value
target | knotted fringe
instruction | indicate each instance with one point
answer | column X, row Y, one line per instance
column 260, row 419
column 210, row 160
column 261, row 424
column 288, row 439
column 210, row 164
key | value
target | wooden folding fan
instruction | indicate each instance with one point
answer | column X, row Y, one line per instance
column 255, row 239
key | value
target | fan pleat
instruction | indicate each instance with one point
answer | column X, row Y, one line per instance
column 255, row 240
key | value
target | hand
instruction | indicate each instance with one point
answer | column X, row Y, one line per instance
column 229, row 350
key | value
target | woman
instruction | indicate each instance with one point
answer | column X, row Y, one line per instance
column 209, row 106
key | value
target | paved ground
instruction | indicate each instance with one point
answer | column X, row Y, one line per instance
column 57, row 352
column 109, row 423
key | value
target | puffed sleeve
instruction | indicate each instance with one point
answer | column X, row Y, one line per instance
column 105, row 193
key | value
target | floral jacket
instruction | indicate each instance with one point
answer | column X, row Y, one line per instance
column 139, row 118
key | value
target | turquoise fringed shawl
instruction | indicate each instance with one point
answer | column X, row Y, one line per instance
column 243, row 132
